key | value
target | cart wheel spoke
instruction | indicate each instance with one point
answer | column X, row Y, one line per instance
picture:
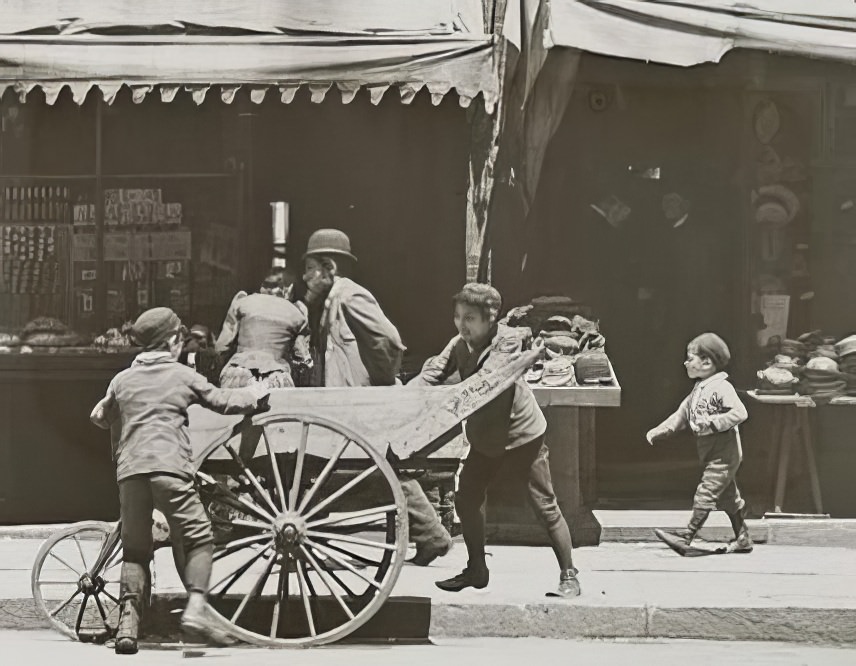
column 275, row 467
column 236, row 500
column 303, row 584
column 66, row 564
column 350, row 485
column 342, row 562
column 248, row 523
column 56, row 611
column 281, row 593
column 82, row 556
column 356, row 556
column 239, row 544
column 322, row 574
column 298, row 465
column 322, row 478
column 110, row 597
column 231, row 578
column 101, row 611
column 255, row 590
column 80, row 613
column 252, row 478
column 353, row 515
column 346, row 538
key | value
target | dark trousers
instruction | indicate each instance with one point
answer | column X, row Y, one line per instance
column 532, row 461
column 720, row 456
column 190, row 530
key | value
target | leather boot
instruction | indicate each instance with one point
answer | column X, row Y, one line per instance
column 134, row 583
column 741, row 543
column 569, row 586
column 197, row 624
column 426, row 531
column 475, row 575
column 696, row 522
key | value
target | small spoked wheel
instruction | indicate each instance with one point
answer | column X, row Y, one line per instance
column 75, row 580
column 311, row 532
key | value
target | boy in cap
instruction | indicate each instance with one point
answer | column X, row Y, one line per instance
column 713, row 412
column 509, row 430
column 148, row 402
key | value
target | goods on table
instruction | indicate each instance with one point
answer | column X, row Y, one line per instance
column 814, row 364
column 573, row 344
column 116, row 338
column 48, row 332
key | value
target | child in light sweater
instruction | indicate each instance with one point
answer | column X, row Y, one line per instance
column 713, row 412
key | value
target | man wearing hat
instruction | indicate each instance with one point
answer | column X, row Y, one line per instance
column 354, row 344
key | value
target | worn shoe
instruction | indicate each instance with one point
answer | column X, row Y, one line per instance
column 569, row 586
column 427, row 554
column 126, row 632
column 476, row 577
column 742, row 544
column 196, row 623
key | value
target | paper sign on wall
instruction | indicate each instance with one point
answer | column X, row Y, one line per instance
column 775, row 309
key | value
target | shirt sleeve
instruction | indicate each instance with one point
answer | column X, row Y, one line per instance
column 437, row 369
column 229, row 332
column 105, row 412
column 224, row 400
column 680, row 419
column 377, row 339
column 731, row 410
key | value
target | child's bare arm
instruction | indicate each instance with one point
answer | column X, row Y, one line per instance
column 104, row 413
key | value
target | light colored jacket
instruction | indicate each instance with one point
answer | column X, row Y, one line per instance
column 362, row 347
column 712, row 406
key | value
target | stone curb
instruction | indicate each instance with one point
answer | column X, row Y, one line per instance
column 574, row 621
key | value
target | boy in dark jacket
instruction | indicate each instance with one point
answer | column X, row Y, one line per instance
column 154, row 467
column 507, row 431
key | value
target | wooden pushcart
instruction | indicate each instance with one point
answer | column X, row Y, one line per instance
column 310, row 520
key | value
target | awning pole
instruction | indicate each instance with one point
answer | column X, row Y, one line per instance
column 100, row 269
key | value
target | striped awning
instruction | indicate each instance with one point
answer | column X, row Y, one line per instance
column 215, row 47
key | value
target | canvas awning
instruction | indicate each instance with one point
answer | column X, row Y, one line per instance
column 690, row 32
column 217, row 46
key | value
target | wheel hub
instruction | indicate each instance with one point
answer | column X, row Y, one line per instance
column 289, row 531
column 89, row 585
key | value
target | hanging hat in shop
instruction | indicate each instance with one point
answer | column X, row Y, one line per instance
column 766, row 120
column 847, row 346
column 154, row 327
column 768, row 166
column 675, row 208
column 329, row 241
column 613, row 210
column 775, row 204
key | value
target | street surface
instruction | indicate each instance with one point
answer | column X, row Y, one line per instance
column 44, row 647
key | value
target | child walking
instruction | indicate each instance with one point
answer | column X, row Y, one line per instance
column 713, row 412
column 507, row 431
column 154, row 468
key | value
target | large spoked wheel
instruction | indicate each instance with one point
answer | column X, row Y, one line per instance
column 311, row 532
column 75, row 580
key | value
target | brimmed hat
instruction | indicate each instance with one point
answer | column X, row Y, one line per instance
column 847, row 346
column 775, row 204
column 154, row 327
column 329, row 241
column 592, row 366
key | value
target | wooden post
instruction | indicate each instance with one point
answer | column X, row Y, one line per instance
column 100, row 269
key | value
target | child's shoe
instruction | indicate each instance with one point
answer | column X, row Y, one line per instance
column 742, row 544
column 126, row 633
column 196, row 622
column 569, row 586
column 476, row 576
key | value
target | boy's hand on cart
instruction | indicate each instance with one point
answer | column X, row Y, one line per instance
column 263, row 404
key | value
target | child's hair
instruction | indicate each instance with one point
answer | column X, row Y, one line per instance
column 482, row 296
column 712, row 347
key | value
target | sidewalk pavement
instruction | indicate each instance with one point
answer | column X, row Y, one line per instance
column 803, row 594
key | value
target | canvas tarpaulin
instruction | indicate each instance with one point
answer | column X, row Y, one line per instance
column 200, row 45
column 691, row 32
